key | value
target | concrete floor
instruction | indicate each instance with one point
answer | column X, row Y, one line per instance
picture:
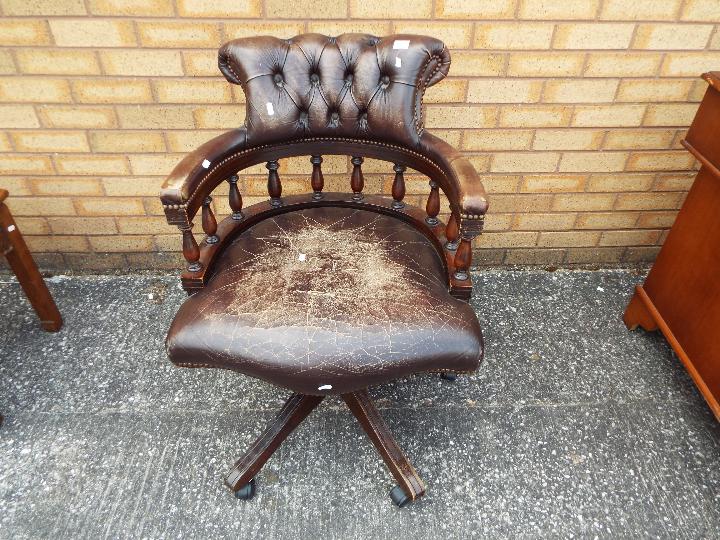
column 572, row 427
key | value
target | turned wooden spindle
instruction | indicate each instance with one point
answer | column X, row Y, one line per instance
column 190, row 249
column 357, row 182
column 463, row 258
column 452, row 233
column 398, row 187
column 235, row 198
column 274, row 186
column 433, row 205
column 318, row 181
column 209, row 223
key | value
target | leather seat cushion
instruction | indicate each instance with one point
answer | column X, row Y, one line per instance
column 327, row 300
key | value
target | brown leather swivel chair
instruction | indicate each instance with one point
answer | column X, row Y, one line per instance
column 328, row 293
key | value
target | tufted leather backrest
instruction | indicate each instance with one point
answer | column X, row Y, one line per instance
column 354, row 85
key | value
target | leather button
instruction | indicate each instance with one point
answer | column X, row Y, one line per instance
column 278, row 79
column 335, row 117
column 385, row 79
column 348, row 79
column 314, row 78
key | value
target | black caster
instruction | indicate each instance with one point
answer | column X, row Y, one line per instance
column 399, row 497
column 449, row 376
column 246, row 492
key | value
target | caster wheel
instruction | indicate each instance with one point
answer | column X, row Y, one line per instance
column 399, row 497
column 246, row 492
column 449, row 376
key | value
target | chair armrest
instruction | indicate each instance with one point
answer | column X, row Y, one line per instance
column 197, row 174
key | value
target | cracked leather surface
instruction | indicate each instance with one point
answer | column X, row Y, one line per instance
column 327, row 298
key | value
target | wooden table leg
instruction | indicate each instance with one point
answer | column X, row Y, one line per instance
column 28, row 275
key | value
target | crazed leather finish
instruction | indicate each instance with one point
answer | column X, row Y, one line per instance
column 326, row 301
column 354, row 87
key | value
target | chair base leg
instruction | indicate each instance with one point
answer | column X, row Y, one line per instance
column 295, row 410
column 369, row 417
column 241, row 479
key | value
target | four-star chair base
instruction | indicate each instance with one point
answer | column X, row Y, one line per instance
column 241, row 479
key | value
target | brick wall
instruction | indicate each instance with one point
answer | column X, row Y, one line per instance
column 572, row 111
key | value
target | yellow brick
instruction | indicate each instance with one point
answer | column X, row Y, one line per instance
column 92, row 33
column 82, row 225
column 455, row 35
column 593, row 36
column 91, row 165
column 450, row 91
column 624, row 64
column 689, row 64
column 506, row 239
column 552, row 183
column 41, row 206
column 65, row 186
column 145, row 225
column 697, row 92
column 57, row 244
column 24, row 32
column 481, row 163
column 219, row 116
column 672, row 36
column 580, row 91
column 156, row 117
column 715, row 41
column 76, row 117
column 477, row 64
column 501, row 184
column 620, row 182
column 135, row 186
column 649, row 201
column 285, row 29
column 521, row 203
column 548, row 64
column 121, row 244
column 475, row 9
column 701, row 10
column 629, row 238
column 222, row 8
column 398, row 9
column 513, row 35
column 25, row 164
column 568, row 239
column 18, row 116
column 640, row 10
column 43, row 7
column 660, row 161
column 656, row 220
column 153, row 164
column 496, row 222
column 7, row 66
column 504, row 91
column 335, row 28
column 112, row 91
column 187, row 141
column 192, row 91
column 583, row 202
column 141, row 62
column 593, row 161
column 524, row 162
column 50, row 141
column 558, row 9
column 33, row 226
column 109, row 206
column 534, row 116
column 567, row 139
column 606, row 220
column 670, row 114
column 178, row 34
column 4, row 144
column 51, row 62
column 608, row 115
column 543, row 222
column 200, row 63
column 674, row 181
column 126, row 141
column 35, row 89
column 452, row 137
column 133, row 8
column 460, row 117
column 334, row 165
column 497, row 139
column 654, row 90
